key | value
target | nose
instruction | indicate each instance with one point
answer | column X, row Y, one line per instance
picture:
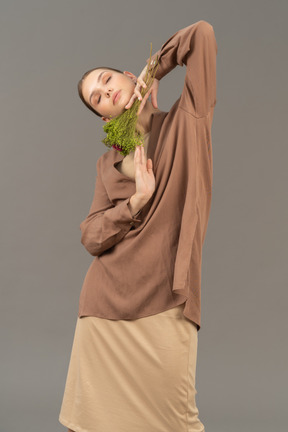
column 108, row 92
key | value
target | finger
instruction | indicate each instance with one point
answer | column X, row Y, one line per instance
column 138, row 161
column 136, row 155
column 131, row 101
column 138, row 93
column 141, row 82
column 135, row 95
column 128, row 104
column 150, row 166
column 137, row 89
column 141, row 155
column 141, row 106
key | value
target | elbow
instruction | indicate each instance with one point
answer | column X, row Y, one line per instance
column 205, row 30
column 94, row 248
column 94, row 241
column 94, row 251
column 205, row 27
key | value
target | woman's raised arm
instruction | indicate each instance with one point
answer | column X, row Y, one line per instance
column 194, row 46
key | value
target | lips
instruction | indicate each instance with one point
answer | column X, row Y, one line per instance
column 115, row 96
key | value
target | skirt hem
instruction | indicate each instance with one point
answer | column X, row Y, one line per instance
column 71, row 426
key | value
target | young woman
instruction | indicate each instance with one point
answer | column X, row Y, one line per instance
column 133, row 360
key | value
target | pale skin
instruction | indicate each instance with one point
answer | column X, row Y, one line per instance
column 99, row 89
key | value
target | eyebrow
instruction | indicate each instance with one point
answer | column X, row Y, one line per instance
column 98, row 79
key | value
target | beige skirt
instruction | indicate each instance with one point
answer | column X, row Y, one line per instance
column 133, row 375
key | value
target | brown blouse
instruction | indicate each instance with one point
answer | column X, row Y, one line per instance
column 151, row 262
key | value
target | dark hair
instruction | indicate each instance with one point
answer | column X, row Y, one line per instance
column 80, row 83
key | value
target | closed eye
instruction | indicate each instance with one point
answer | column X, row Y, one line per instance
column 106, row 83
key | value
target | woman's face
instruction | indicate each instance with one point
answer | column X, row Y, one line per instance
column 108, row 91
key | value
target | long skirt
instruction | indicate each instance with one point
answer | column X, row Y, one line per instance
column 133, row 375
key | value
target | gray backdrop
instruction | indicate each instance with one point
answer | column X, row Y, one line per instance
column 50, row 144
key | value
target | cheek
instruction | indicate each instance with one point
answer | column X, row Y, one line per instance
column 127, row 84
column 130, row 90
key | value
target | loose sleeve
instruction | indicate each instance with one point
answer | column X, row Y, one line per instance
column 105, row 224
column 194, row 46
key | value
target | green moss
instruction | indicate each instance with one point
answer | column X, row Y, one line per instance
column 121, row 131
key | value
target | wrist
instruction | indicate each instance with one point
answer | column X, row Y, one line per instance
column 136, row 203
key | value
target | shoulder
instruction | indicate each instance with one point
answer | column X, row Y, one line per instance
column 105, row 160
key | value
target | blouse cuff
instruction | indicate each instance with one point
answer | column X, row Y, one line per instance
column 126, row 217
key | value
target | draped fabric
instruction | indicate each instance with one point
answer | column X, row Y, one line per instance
column 147, row 264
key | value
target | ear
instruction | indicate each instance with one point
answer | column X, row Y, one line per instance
column 106, row 119
column 131, row 75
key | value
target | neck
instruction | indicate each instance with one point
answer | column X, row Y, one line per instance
column 144, row 119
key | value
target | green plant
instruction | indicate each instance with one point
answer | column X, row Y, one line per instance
column 121, row 131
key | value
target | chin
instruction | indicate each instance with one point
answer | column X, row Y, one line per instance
column 118, row 113
column 121, row 110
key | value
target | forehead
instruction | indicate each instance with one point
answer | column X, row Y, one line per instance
column 90, row 82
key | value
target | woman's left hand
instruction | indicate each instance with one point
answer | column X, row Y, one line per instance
column 144, row 176
column 153, row 90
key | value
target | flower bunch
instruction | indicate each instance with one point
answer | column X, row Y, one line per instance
column 121, row 130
